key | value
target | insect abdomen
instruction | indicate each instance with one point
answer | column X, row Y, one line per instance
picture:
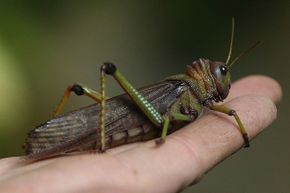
column 141, row 133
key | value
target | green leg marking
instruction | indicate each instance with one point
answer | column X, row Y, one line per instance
column 145, row 106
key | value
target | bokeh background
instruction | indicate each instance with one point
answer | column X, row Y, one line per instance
column 47, row 45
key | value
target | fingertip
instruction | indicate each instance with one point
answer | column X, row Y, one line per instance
column 259, row 85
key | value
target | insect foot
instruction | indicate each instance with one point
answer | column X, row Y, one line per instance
column 159, row 141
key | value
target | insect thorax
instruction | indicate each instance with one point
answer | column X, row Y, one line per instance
column 200, row 80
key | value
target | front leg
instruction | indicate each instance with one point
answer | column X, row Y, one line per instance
column 231, row 112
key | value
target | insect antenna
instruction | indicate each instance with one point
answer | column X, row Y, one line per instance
column 243, row 53
column 232, row 41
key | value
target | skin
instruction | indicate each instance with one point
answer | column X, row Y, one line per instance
column 142, row 167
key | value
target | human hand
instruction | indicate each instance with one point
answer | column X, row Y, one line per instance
column 142, row 167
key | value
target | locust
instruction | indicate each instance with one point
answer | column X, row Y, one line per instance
column 137, row 115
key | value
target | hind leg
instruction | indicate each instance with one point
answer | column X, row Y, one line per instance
column 78, row 90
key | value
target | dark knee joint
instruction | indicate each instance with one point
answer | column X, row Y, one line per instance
column 232, row 112
column 109, row 68
column 77, row 89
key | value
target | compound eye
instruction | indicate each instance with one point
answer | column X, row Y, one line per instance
column 223, row 70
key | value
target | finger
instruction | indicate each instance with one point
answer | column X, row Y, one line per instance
column 258, row 85
column 192, row 151
column 220, row 140
column 6, row 164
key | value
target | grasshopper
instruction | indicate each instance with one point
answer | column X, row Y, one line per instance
column 138, row 115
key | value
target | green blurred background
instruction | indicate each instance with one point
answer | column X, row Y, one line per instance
column 47, row 45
